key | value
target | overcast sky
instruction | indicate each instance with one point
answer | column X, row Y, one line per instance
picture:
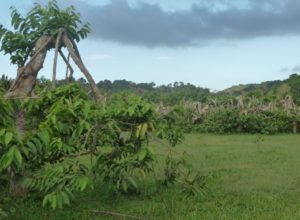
column 213, row 45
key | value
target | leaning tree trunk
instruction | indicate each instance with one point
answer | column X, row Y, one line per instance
column 26, row 79
column 74, row 53
column 26, row 75
column 22, row 87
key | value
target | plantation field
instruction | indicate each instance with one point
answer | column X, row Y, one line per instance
column 248, row 177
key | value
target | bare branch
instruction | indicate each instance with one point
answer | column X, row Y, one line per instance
column 67, row 61
column 73, row 50
column 67, row 69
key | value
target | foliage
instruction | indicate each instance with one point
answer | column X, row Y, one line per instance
column 136, row 121
column 58, row 182
column 180, row 170
column 2, row 213
column 38, row 22
column 170, row 94
column 5, row 83
column 6, row 112
column 241, row 115
column 9, row 143
column 221, row 121
column 63, row 124
column 276, row 89
column 170, row 126
column 294, row 82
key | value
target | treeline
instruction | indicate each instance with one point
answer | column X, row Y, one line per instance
column 176, row 92
column 199, row 110
column 169, row 94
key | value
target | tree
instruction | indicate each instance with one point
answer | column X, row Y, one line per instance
column 42, row 29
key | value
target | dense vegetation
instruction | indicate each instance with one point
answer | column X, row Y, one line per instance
column 64, row 124
column 172, row 94
column 270, row 90
column 176, row 92
column 169, row 94
column 199, row 110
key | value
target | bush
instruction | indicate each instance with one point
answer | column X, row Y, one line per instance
column 63, row 124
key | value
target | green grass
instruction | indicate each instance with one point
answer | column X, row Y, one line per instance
column 245, row 180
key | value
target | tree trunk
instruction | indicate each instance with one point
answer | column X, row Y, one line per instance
column 69, row 67
column 22, row 87
column 26, row 75
column 57, row 45
column 26, row 79
column 74, row 53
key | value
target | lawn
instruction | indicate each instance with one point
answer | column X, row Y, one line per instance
column 246, row 179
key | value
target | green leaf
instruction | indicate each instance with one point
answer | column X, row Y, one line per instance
column 44, row 136
column 143, row 130
column 143, row 153
column 8, row 138
column 18, row 157
column 32, row 147
column 59, row 201
column 131, row 180
column 65, row 198
column 83, row 182
column 138, row 131
column 124, row 185
column 53, row 201
column 7, row 159
column 2, row 132
column 46, row 199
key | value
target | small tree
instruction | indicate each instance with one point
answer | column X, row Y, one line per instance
column 42, row 29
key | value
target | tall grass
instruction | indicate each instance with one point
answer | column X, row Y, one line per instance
column 244, row 182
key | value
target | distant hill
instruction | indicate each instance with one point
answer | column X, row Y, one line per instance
column 244, row 89
column 277, row 88
column 177, row 91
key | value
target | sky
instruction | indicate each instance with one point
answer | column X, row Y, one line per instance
column 212, row 44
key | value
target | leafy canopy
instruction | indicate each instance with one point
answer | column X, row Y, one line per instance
column 64, row 125
column 40, row 21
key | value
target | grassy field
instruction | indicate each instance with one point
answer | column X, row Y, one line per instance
column 245, row 179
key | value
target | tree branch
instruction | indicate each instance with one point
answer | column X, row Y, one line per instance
column 67, row 61
column 57, row 44
column 73, row 50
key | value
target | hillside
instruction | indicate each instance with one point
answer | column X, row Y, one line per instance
column 276, row 88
